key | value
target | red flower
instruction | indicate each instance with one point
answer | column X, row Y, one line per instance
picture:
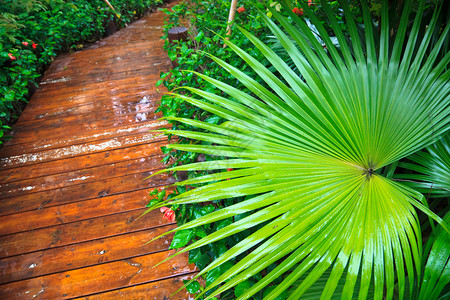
column 12, row 57
column 169, row 214
column 25, row 43
column 298, row 11
column 229, row 169
column 34, row 45
column 240, row 9
column 310, row 3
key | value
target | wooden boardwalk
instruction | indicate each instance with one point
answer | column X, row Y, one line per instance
column 71, row 179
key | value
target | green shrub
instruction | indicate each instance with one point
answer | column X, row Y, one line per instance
column 33, row 32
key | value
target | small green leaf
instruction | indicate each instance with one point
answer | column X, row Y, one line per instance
column 165, row 150
column 194, row 255
column 242, row 287
column 213, row 119
column 212, row 275
column 152, row 203
column 199, row 232
column 203, row 260
column 181, row 238
column 282, row 296
column 223, row 224
column 161, row 195
column 204, row 211
column 193, row 287
column 199, row 36
column 172, row 55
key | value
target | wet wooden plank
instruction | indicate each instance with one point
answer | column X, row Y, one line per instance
column 71, row 194
column 64, row 89
column 82, row 255
column 84, row 176
column 151, row 55
column 77, row 232
column 138, row 75
column 111, row 96
column 83, row 101
column 131, row 112
column 72, row 164
column 30, row 143
column 71, row 183
column 109, row 125
column 99, row 278
column 110, row 72
column 123, row 109
column 19, row 157
column 160, row 290
column 124, row 101
column 72, row 212
column 100, row 94
column 105, row 80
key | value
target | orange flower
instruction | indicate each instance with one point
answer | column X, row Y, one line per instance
column 240, row 9
column 25, row 43
column 298, row 11
column 169, row 214
column 12, row 57
column 310, row 3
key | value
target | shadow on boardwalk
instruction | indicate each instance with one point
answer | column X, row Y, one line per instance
column 71, row 179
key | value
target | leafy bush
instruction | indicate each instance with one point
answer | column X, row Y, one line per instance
column 208, row 21
column 295, row 177
column 33, row 32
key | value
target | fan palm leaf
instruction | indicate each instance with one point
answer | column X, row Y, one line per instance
column 436, row 262
column 433, row 166
column 307, row 151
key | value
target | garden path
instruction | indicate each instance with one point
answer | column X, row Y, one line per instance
column 71, row 179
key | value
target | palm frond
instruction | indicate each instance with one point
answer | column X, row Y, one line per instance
column 307, row 152
column 436, row 275
column 432, row 169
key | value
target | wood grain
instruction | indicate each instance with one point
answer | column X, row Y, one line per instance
column 83, row 176
column 99, row 278
column 85, row 254
column 85, row 191
column 160, row 290
column 75, row 163
column 72, row 178
column 77, row 232
column 71, row 212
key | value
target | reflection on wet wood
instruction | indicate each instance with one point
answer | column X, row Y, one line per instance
column 72, row 178
column 81, row 255
column 163, row 289
column 98, row 278
column 75, row 193
column 74, row 163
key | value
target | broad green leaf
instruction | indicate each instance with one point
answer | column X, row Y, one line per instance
column 181, row 238
column 193, row 287
column 242, row 287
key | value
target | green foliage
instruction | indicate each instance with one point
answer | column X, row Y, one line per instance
column 208, row 20
column 33, row 32
column 301, row 152
column 431, row 168
column 435, row 280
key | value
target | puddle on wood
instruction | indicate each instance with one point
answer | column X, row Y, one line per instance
column 140, row 110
